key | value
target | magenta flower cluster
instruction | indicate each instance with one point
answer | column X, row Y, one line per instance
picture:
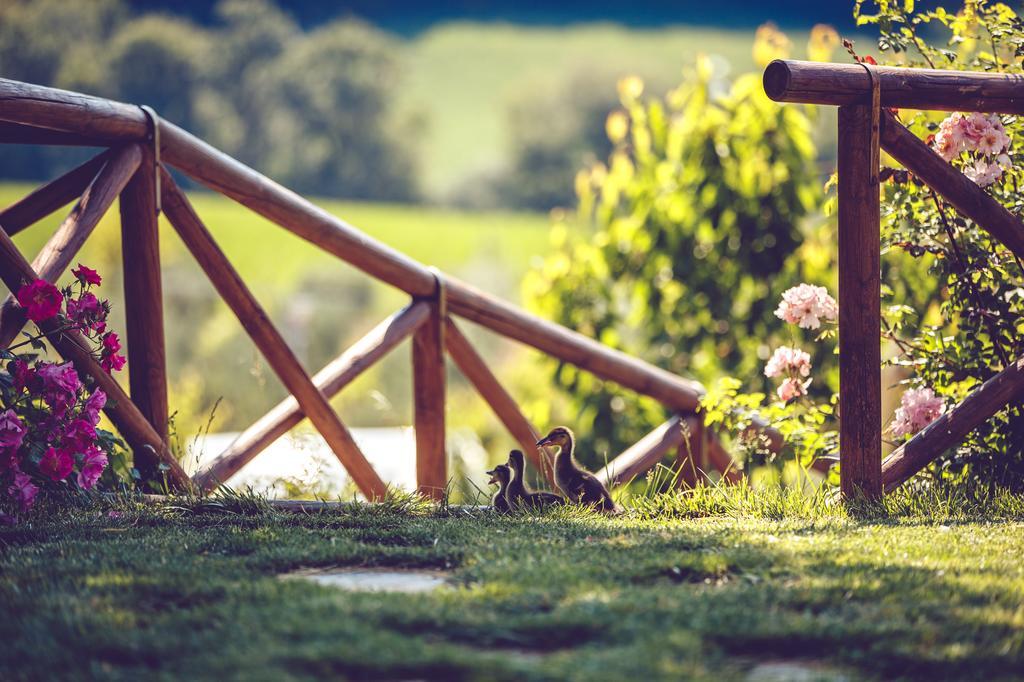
column 49, row 418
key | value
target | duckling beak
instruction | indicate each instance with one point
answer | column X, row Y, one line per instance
column 494, row 476
column 543, row 441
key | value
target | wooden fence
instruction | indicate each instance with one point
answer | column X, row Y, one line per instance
column 138, row 148
column 863, row 94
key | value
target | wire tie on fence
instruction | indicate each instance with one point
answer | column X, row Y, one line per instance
column 876, row 113
column 153, row 135
column 440, row 292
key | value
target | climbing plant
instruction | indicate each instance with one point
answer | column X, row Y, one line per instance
column 974, row 323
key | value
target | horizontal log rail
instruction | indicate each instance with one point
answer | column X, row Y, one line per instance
column 15, row 133
column 43, row 115
column 905, row 88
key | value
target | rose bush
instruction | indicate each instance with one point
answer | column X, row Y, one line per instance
column 807, row 425
column 49, row 427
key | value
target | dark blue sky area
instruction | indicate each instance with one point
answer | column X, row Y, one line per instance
column 409, row 17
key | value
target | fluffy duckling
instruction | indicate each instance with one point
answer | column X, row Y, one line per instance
column 519, row 494
column 576, row 483
column 500, row 476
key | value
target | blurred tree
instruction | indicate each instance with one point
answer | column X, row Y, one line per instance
column 315, row 111
column 551, row 136
column 37, row 35
column 252, row 34
column 59, row 43
column 683, row 242
column 160, row 61
column 325, row 105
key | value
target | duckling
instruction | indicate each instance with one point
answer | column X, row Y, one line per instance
column 576, row 483
column 500, row 476
column 519, row 494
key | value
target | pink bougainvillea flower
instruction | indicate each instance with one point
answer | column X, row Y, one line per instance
column 806, row 305
column 918, row 408
column 12, row 430
column 792, row 388
column 56, row 464
column 23, row 491
column 93, row 405
column 40, row 299
column 786, row 361
column 87, row 275
column 78, row 435
column 93, row 464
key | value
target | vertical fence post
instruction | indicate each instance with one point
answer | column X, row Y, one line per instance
column 428, row 371
column 143, row 302
column 860, row 384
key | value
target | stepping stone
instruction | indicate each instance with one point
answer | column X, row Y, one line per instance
column 374, row 579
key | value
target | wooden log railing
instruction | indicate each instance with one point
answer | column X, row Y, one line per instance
column 862, row 94
column 130, row 167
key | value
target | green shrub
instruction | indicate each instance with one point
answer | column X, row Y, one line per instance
column 680, row 243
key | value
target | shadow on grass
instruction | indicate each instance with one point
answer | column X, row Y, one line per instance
column 531, row 598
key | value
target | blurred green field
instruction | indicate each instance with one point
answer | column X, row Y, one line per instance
column 462, row 76
column 320, row 304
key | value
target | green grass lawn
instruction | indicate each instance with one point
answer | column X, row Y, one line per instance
column 702, row 586
column 461, row 78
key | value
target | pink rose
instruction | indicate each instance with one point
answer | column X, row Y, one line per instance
column 21, row 374
column 8, row 459
column 918, row 408
column 113, row 363
column 93, row 405
column 78, row 436
column 56, row 464
column 806, row 305
column 983, row 173
column 87, row 275
column 110, row 360
column 786, row 361
column 85, row 311
column 60, row 383
column 792, row 388
column 40, row 299
column 22, row 491
column 111, row 344
column 92, row 468
column 12, row 431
